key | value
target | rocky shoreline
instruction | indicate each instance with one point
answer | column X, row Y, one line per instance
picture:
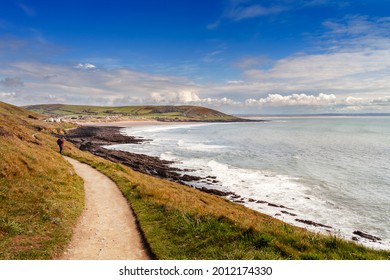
column 92, row 138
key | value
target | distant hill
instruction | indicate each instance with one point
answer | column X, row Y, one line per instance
column 162, row 113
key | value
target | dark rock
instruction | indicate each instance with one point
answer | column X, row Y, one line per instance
column 312, row 223
column 273, row 205
column 366, row 235
column 105, row 135
column 189, row 178
column 288, row 213
column 91, row 139
column 261, row 201
column 238, row 201
column 282, row 206
column 216, row 192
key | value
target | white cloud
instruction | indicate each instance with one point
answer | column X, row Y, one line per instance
column 107, row 87
column 217, row 102
column 184, row 96
column 381, row 101
column 235, row 82
column 7, row 94
column 86, row 66
column 238, row 13
column 354, row 61
column 350, row 100
column 325, row 67
column 238, row 10
column 357, row 25
column 213, row 57
column 294, row 100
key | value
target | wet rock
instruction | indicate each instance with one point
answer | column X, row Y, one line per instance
column 238, row 201
column 288, row 213
column 312, row 223
column 366, row 235
column 261, row 201
column 189, row 178
column 282, row 206
column 273, row 205
column 216, row 192
column 107, row 135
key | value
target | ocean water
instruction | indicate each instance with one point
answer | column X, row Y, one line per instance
column 330, row 170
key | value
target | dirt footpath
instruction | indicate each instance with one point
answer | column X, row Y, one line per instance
column 106, row 229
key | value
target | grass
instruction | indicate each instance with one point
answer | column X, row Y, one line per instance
column 41, row 198
column 40, row 195
column 167, row 113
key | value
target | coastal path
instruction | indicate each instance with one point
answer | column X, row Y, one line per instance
column 106, row 229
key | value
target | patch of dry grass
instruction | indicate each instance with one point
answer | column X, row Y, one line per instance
column 40, row 195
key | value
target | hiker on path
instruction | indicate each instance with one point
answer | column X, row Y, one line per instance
column 60, row 143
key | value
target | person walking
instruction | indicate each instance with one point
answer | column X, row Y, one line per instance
column 60, row 143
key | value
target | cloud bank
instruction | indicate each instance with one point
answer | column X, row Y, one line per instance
column 346, row 70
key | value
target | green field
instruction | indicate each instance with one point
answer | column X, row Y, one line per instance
column 164, row 113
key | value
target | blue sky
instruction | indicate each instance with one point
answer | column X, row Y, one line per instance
column 238, row 56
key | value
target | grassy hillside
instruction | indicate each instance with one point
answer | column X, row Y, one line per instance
column 167, row 113
column 41, row 197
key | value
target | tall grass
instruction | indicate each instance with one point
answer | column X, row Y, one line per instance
column 40, row 195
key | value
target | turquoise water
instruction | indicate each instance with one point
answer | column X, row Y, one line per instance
column 333, row 171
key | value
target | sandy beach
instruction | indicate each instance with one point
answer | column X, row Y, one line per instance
column 129, row 123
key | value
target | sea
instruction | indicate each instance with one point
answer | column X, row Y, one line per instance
column 333, row 171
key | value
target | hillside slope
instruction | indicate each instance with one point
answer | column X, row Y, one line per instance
column 163, row 113
column 40, row 196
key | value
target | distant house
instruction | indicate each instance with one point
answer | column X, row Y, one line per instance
column 58, row 120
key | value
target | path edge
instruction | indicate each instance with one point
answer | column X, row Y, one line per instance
column 148, row 250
